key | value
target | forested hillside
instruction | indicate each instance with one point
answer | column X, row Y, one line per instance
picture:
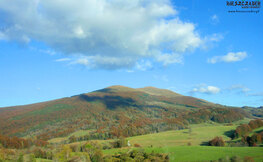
column 113, row 112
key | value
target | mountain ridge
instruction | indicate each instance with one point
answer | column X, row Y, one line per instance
column 111, row 110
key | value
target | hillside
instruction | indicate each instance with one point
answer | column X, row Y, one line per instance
column 113, row 112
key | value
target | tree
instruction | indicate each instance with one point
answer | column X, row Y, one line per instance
column 217, row 141
column 64, row 154
column 242, row 130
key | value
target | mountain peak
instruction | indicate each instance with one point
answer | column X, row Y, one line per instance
column 159, row 92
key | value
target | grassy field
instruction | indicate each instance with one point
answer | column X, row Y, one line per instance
column 42, row 160
column 176, row 143
column 206, row 153
column 201, row 153
column 199, row 134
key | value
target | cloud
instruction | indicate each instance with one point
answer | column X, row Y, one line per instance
column 256, row 94
column 210, row 40
column 230, row 57
column 143, row 65
column 239, row 88
column 206, row 89
column 2, row 36
column 103, row 34
column 62, row 59
column 214, row 19
column 168, row 59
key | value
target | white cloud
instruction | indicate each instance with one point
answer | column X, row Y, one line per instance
column 62, row 59
column 2, row 36
column 239, row 88
column 168, row 59
column 206, row 89
column 210, row 40
column 143, row 65
column 104, row 34
column 214, row 19
column 230, row 57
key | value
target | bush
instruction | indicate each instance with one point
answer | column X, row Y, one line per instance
column 235, row 159
column 248, row 159
column 137, row 155
column 122, row 142
column 217, row 141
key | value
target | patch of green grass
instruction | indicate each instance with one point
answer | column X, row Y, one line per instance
column 258, row 130
column 244, row 121
column 199, row 153
column 76, row 134
column 42, row 160
column 207, row 153
column 200, row 134
column 80, row 133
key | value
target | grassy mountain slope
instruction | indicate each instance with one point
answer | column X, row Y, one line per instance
column 113, row 111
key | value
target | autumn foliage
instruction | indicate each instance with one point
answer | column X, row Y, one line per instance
column 244, row 129
column 20, row 143
column 217, row 141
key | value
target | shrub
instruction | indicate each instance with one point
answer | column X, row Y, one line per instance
column 217, row 141
column 122, row 142
column 235, row 159
column 248, row 159
column 137, row 155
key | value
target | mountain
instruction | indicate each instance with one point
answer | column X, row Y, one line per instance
column 113, row 111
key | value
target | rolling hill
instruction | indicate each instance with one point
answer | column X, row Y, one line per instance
column 113, row 112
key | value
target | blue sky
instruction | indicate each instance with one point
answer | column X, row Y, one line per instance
column 53, row 50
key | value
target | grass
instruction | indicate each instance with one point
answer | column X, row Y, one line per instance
column 200, row 134
column 207, row 153
column 175, row 143
column 42, row 160
column 200, row 153
column 76, row 134
column 257, row 130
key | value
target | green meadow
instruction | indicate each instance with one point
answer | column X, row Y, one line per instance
column 197, row 135
column 176, row 144
column 186, row 144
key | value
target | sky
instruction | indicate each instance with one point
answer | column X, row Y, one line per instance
column 51, row 49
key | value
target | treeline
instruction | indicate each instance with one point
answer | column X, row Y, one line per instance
column 89, row 152
column 20, row 143
column 123, row 126
column 253, row 140
column 243, row 132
